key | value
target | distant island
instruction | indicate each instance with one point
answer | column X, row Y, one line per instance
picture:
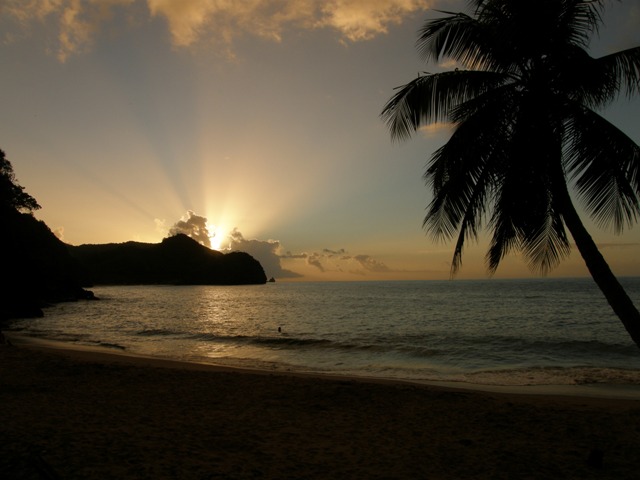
column 177, row 260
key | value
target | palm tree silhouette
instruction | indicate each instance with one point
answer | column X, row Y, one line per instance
column 525, row 129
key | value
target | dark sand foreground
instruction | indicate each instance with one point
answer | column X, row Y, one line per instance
column 82, row 415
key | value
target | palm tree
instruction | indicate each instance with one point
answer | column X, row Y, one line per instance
column 525, row 129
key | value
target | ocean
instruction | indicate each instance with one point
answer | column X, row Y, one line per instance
column 529, row 332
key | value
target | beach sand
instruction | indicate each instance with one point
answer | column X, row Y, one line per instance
column 88, row 415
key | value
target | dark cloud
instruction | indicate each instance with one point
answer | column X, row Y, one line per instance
column 315, row 260
column 332, row 260
column 294, row 255
column 193, row 226
column 370, row 264
column 265, row 251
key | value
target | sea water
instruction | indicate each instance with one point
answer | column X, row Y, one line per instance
column 484, row 332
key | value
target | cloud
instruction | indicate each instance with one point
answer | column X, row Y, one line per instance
column 59, row 233
column 190, row 21
column 370, row 264
column 340, row 260
column 270, row 256
column 331, row 253
column 265, row 251
column 435, row 129
column 315, row 260
column 186, row 18
column 294, row 255
column 77, row 22
column 193, row 226
column 364, row 19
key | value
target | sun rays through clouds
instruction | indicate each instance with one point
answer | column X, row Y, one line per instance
column 249, row 125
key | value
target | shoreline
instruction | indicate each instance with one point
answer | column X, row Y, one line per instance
column 86, row 352
column 92, row 415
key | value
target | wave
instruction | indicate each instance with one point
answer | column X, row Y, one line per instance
column 507, row 343
column 112, row 345
column 320, row 345
column 580, row 375
column 425, row 346
column 159, row 332
column 291, row 342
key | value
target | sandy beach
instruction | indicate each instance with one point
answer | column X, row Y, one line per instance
column 74, row 414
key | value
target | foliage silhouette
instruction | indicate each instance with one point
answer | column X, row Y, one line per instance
column 523, row 107
column 12, row 195
column 37, row 269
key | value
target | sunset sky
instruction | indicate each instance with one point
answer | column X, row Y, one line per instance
column 131, row 119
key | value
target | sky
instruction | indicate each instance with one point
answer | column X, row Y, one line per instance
column 251, row 125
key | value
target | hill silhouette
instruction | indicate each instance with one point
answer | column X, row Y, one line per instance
column 37, row 268
column 177, row 260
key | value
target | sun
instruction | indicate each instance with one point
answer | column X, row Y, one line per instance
column 219, row 236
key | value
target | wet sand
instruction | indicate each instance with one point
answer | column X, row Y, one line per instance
column 76, row 414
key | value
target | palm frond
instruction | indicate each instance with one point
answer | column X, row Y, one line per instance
column 525, row 215
column 579, row 20
column 431, row 98
column 467, row 161
column 605, row 164
column 457, row 36
column 462, row 174
column 457, row 186
column 546, row 246
column 596, row 82
column 471, row 222
column 525, row 219
column 623, row 68
column 503, row 241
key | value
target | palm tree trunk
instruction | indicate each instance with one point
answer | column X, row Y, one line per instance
column 600, row 271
